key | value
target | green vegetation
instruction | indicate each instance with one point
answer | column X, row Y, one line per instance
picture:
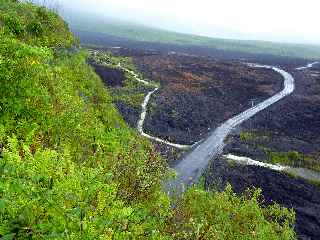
column 70, row 167
column 315, row 183
column 109, row 60
column 132, row 92
column 35, row 26
column 294, row 159
column 246, row 136
column 148, row 34
column 209, row 215
column 258, row 139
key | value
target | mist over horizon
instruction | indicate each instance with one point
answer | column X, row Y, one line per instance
column 285, row 21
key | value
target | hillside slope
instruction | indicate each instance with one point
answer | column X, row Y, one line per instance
column 140, row 33
column 71, row 168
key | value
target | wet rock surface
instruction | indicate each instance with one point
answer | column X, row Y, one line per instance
column 278, row 187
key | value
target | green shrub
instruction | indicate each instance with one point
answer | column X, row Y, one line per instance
column 42, row 14
column 35, row 28
column 71, row 169
column 246, row 136
column 291, row 158
column 224, row 215
column 14, row 25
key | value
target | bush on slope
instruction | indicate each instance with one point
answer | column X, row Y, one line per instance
column 70, row 167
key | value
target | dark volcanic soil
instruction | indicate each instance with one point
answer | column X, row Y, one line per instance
column 134, row 48
column 110, row 76
column 198, row 93
column 130, row 114
column 114, row 79
column 298, row 194
column 293, row 124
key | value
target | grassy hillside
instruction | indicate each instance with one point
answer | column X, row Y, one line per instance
column 148, row 34
column 71, row 168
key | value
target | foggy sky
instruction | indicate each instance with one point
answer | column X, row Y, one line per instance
column 275, row 20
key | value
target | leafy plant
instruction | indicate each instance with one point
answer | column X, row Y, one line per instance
column 35, row 28
column 224, row 215
column 246, row 136
column 14, row 25
column 71, row 168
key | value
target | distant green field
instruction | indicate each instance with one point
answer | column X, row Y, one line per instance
column 148, row 34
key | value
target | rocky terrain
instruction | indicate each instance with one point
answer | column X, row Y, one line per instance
column 196, row 94
column 199, row 93
column 287, row 132
column 110, row 76
column 294, row 193
column 127, row 96
column 105, row 41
